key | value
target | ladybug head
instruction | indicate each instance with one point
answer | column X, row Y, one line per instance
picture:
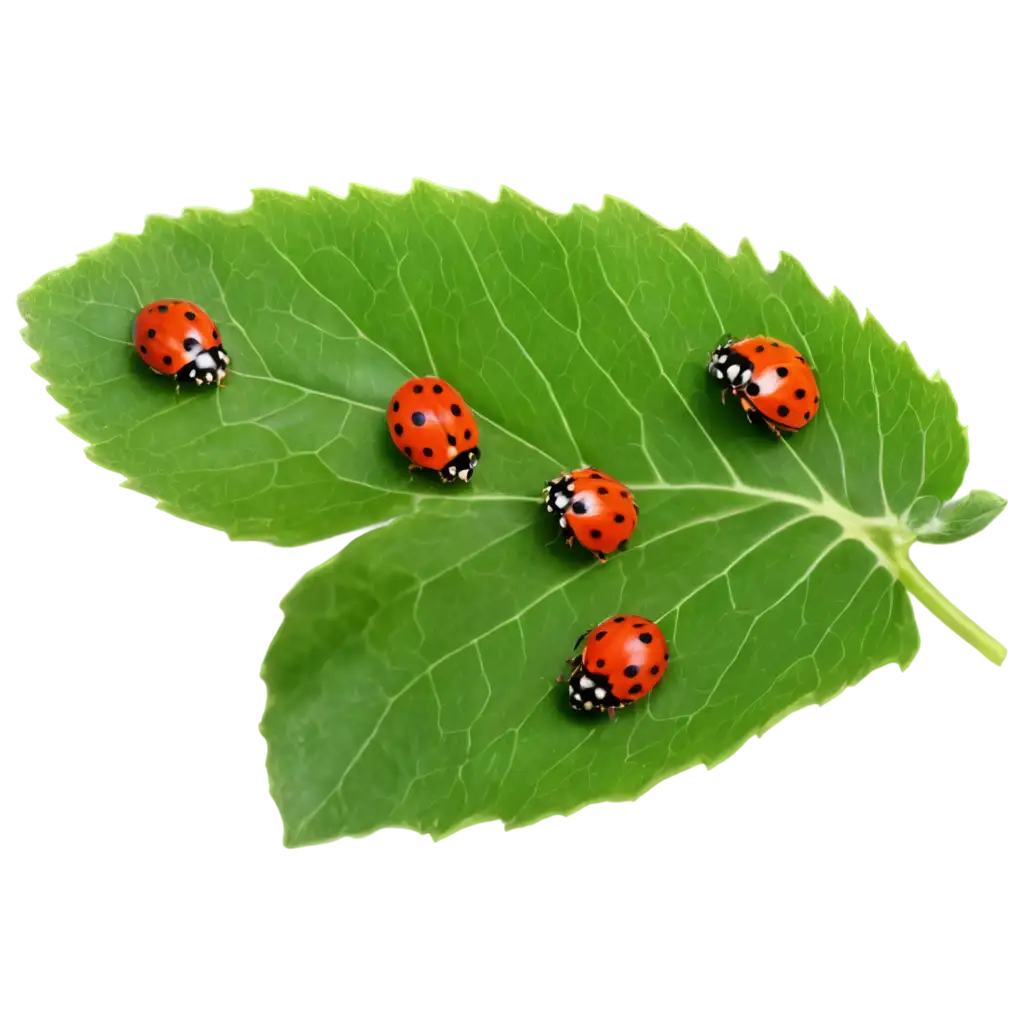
column 461, row 467
column 727, row 367
column 591, row 692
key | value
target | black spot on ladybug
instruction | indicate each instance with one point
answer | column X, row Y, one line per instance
column 619, row 618
column 760, row 348
column 407, row 450
column 151, row 333
column 167, row 360
column 163, row 309
column 600, row 662
column 623, row 494
column 394, row 406
column 631, row 670
column 579, row 508
column 666, row 655
column 399, row 429
column 189, row 315
column 602, row 634
column 595, row 534
column 602, row 490
column 467, row 434
column 451, row 439
column 645, row 638
column 655, row 669
column 782, row 371
column 142, row 349
column 817, row 399
column 801, row 358
column 619, row 517
column 437, row 389
column 807, row 415
column 215, row 335
column 636, row 687
column 418, row 419
column 418, row 388
column 595, row 476
column 800, row 393
column 753, row 389
column 456, row 409
column 428, row 452
column 783, row 411
column 775, row 344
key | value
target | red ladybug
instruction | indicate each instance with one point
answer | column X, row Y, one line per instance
column 177, row 338
column 623, row 658
column 771, row 379
column 593, row 508
column 433, row 426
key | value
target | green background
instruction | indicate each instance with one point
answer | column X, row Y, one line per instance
column 139, row 875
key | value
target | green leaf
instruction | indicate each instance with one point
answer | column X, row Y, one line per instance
column 943, row 524
column 411, row 682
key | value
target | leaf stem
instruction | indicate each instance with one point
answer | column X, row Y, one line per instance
column 943, row 609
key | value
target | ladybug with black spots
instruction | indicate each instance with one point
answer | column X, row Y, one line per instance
column 178, row 339
column 622, row 660
column 434, row 428
column 593, row 508
column 771, row 379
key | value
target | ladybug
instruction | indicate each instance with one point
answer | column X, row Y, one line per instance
column 771, row 379
column 623, row 658
column 432, row 425
column 593, row 508
column 177, row 338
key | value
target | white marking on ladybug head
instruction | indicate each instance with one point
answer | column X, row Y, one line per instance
column 451, row 471
column 588, row 705
column 600, row 694
column 745, row 376
column 561, row 500
column 192, row 373
column 718, row 373
column 570, row 486
column 586, row 682
column 465, row 474
column 561, row 522
column 732, row 371
column 205, row 361
column 209, row 377
column 722, row 357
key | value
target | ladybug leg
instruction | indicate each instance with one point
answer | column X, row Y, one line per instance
column 724, row 392
column 751, row 410
column 600, row 557
column 611, row 714
column 413, row 467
